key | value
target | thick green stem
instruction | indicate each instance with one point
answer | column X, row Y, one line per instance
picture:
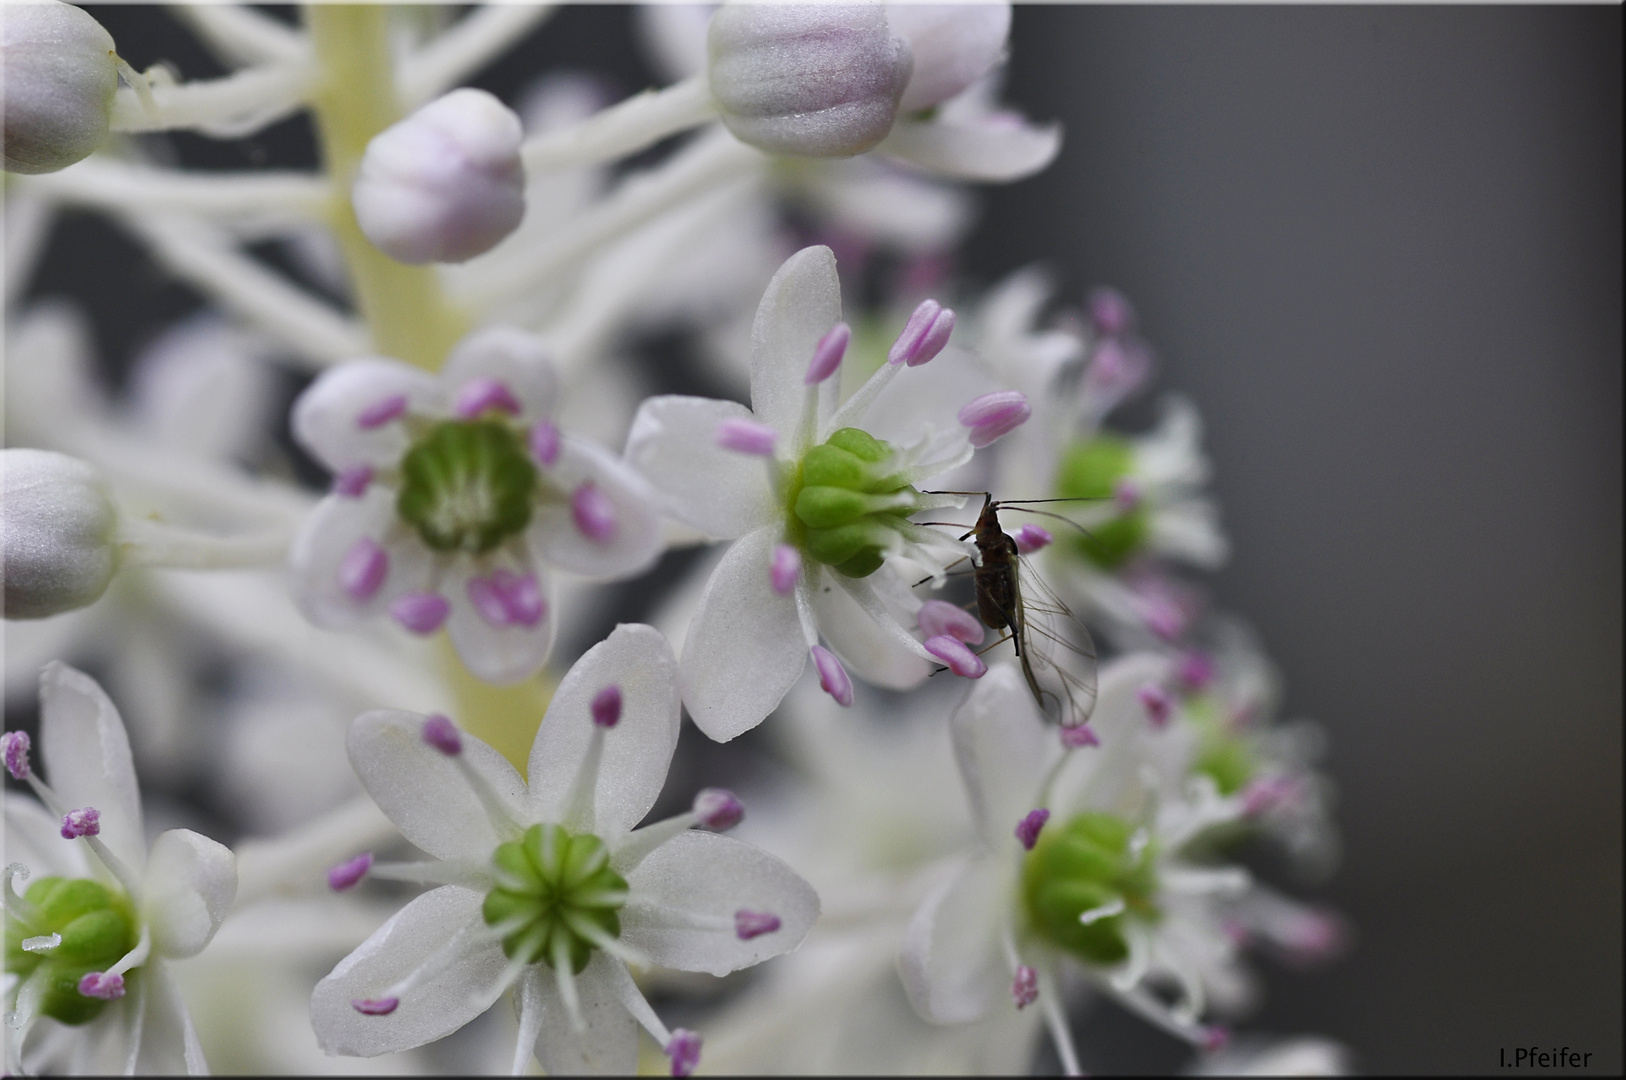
column 405, row 309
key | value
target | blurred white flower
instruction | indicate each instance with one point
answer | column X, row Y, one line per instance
column 452, row 497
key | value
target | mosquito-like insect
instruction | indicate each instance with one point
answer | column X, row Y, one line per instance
column 1060, row 673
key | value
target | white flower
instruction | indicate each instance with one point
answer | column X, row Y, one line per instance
column 1080, row 860
column 817, row 507
column 552, row 890
column 452, row 496
column 100, row 920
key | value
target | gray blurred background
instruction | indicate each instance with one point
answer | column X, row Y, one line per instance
column 1381, row 249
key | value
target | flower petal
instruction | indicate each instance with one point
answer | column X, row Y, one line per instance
column 1109, row 777
column 87, row 758
column 189, row 886
column 500, row 654
column 34, row 838
column 745, row 647
column 326, row 540
column 608, row 1044
column 800, row 305
column 517, row 359
column 169, row 1040
column 324, row 419
column 866, row 648
column 434, row 1007
column 637, row 750
column 1003, row 747
column 996, row 148
column 673, row 443
column 950, row 960
column 711, row 876
column 636, row 539
column 425, row 792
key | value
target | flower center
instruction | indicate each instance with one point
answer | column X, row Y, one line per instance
column 97, row 927
column 847, row 506
column 1094, row 470
column 1083, row 879
column 556, row 897
column 467, row 485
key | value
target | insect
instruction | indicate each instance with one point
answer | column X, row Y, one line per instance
column 1055, row 650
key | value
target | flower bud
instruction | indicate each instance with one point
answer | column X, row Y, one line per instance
column 57, row 525
column 953, row 45
column 59, row 78
column 446, row 183
column 811, row 80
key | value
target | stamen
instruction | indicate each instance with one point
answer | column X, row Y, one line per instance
column 1215, row 1038
column 785, row 569
column 1107, row 910
column 606, row 707
column 421, row 612
column 960, row 660
column 567, row 982
column 923, row 336
column 1056, row 1020
column 363, row 569
column 833, row 679
column 684, row 1045
column 1157, row 702
column 746, row 437
column 938, row 618
column 441, row 733
column 545, row 442
column 827, row 354
column 16, row 745
column 487, row 602
column 1027, row 830
column 16, row 906
column 717, row 809
column 382, row 411
column 1030, row 538
column 352, row 482
column 1025, row 986
column 593, row 513
column 375, row 1006
column 993, row 416
column 479, row 394
column 1126, row 495
column 1269, row 793
column 96, row 984
column 507, row 599
column 348, row 874
column 1075, row 737
column 43, row 944
column 77, row 823
column 750, row 924
column 1196, row 671
column 1109, row 312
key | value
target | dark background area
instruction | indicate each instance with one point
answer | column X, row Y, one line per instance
column 1380, row 248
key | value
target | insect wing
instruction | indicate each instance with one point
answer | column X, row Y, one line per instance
column 1058, row 653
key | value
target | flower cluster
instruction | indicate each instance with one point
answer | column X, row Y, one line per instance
column 406, row 580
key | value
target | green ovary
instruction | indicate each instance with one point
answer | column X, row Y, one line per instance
column 468, row 485
column 1222, row 753
column 555, row 894
column 1081, row 866
column 846, row 505
column 98, row 928
column 1092, row 470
